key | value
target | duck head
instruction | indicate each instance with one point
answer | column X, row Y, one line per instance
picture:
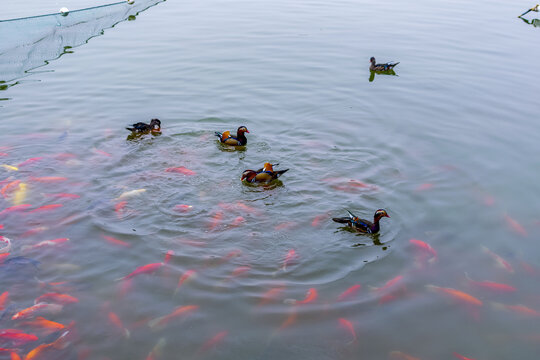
column 268, row 167
column 242, row 129
column 155, row 124
column 380, row 214
column 372, row 60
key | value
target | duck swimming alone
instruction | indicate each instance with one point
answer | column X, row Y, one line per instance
column 381, row 67
column 228, row 139
column 143, row 128
column 362, row 225
column 264, row 175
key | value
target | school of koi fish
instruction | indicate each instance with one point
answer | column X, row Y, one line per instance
column 40, row 327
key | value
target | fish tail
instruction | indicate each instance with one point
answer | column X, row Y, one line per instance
column 154, row 323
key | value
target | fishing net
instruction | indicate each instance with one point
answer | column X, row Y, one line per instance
column 28, row 43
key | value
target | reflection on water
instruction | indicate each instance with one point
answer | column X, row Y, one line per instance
column 29, row 43
column 533, row 22
column 387, row 72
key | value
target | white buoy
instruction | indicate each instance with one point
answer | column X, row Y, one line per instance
column 64, row 11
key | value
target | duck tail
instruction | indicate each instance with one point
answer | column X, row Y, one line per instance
column 394, row 64
column 130, row 129
column 342, row 220
column 280, row 172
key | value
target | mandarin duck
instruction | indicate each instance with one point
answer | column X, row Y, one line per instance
column 362, row 225
column 381, row 67
column 143, row 128
column 264, row 175
column 228, row 139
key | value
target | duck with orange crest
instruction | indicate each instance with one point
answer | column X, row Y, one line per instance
column 262, row 176
column 238, row 140
column 362, row 225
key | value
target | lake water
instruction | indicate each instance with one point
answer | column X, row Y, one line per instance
column 448, row 147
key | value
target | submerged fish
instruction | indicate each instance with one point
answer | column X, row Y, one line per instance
column 180, row 311
column 41, row 309
column 130, row 193
column 350, row 292
column 181, row 170
column 311, row 295
column 347, row 325
column 458, row 295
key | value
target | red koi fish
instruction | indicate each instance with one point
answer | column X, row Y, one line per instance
column 3, row 300
column 43, row 351
column 1, row 226
column 16, row 336
column 45, row 243
column 457, row 295
column 318, row 219
column 117, row 323
column 119, row 208
column 15, row 208
column 350, row 292
column 48, row 179
column 213, row 341
column 46, row 208
column 145, row 269
column 15, row 356
column 402, row 356
column 499, row 260
column 311, row 296
column 4, row 154
column 185, row 277
column 2, row 258
column 271, row 295
column 41, row 308
column 239, row 271
column 491, row 285
column 424, row 247
column 347, row 325
column 249, row 209
column 116, row 241
column 390, row 284
column 168, row 256
column 239, row 220
column 424, row 187
column 30, row 161
column 183, row 208
column 62, row 196
column 518, row 309
column 514, row 225
column 461, row 356
column 180, row 311
column 34, row 231
column 181, row 170
column 40, row 323
column 289, row 258
column 286, row 226
column 56, row 298
column 215, row 221
column 101, row 152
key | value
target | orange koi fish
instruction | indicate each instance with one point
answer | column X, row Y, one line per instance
column 424, row 247
column 518, row 309
column 185, row 277
column 3, row 300
column 350, row 292
column 402, row 356
column 271, row 295
column 311, row 296
column 15, row 208
column 458, row 295
column 43, row 351
column 182, row 208
column 30, row 161
column 286, row 226
column 289, row 258
column 347, row 325
column 46, row 243
column 239, row 220
column 216, row 220
column 48, row 179
column 46, row 208
column 62, row 196
column 180, row 311
column 461, row 356
column 249, row 209
column 17, row 336
column 290, row 320
column 41, row 308
column 181, row 170
column 119, row 208
column 499, row 260
column 239, row 271
column 115, row 320
column 514, row 225
column 43, row 324
column 15, row 356
column 56, row 298
column 101, row 152
column 390, row 284
column 491, row 285
column 9, row 186
column 213, row 341
column 116, row 241
column 145, row 269
column 34, row 231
